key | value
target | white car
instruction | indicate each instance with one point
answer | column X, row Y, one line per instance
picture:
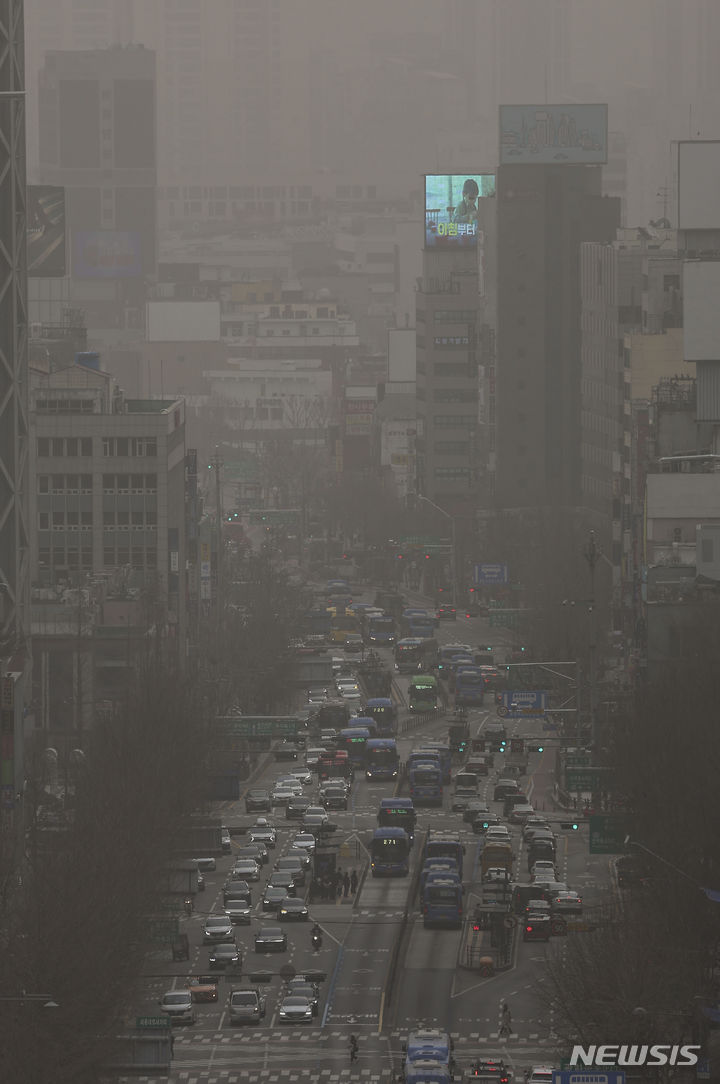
column 543, row 871
column 303, row 842
column 178, row 1006
column 317, row 811
column 303, row 777
column 346, row 683
column 496, row 875
column 499, row 833
column 351, row 696
column 263, row 833
column 291, row 782
column 312, row 756
column 282, row 795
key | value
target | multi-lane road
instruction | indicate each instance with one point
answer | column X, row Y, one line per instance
column 360, row 935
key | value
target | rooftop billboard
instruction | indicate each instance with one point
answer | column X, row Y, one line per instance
column 106, row 254
column 451, row 208
column 45, row 231
column 541, row 135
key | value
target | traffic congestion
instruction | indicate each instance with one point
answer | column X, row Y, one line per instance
column 393, row 874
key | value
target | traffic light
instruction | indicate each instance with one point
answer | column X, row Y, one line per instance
column 535, row 748
column 570, row 825
column 428, row 556
column 399, row 556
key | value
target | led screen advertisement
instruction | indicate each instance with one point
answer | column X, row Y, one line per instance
column 451, row 208
column 106, row 254
column 541, row 135
column 45, row 231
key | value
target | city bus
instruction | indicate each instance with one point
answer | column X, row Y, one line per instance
column 469, row 687
column 397, row 813
column 390, row 853
column 423, row 693
column 442, row 900
column 444, row 845
column 381, row 759
column 444, row 753
column 379, row 629
column 425, row 780
column 408, row 655
column 353, row 740
column 384, row 712
column 341, row 625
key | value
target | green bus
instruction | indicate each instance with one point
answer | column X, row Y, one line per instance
column 423, row 693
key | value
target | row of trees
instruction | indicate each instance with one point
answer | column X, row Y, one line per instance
column 74, row 917
column 645, row 973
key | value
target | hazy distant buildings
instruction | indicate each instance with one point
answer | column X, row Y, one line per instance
column 98, row 141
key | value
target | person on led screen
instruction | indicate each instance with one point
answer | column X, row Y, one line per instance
column 466, row 210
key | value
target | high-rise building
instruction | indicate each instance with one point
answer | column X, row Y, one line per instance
column 544, row 214
column 97, row 140
column 15, row 658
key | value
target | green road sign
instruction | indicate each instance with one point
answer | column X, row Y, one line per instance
column 607, row 833
column 591, row 779
column 576, row 760
column 500, row 620
column 422, row 540
column 162, row 930
column 152, row 1022
column 259, row 726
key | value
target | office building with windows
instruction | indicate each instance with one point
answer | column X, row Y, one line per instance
column 108, row 488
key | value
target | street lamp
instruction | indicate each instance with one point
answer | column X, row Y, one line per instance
column 452, row 540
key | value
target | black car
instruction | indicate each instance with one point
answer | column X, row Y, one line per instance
column 293, row 910
column 258, row 800
column 225, row 955
column 335, row 798
column 446, row 613
column 286, row 751
column 298, row 987
column 237, row 890
column 273, row 897
column 538, row 927
column 295, row 809
column 258, row 851
column 271, row 939
column 283, row 879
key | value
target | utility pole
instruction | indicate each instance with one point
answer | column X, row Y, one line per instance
column 216, row 462
column 592, row 553
column 453, row 542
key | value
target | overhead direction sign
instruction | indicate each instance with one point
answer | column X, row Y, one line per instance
column 519, row 703
column 491, row 573
column 259, row 726
column 608, row 832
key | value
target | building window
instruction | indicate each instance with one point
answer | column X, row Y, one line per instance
column 43, row 483
column 43, row 446
column 452, row 474
column 86, row 446
column 451, row 447
column 43, row 521
column 58, row 483
column 454, row 421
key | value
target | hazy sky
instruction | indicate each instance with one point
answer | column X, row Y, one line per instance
column 380, row 91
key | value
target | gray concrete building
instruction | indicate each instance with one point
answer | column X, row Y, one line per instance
column 109, row 489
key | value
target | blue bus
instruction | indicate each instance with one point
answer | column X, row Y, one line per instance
column 469, row 686
column 365, row 722
column 353, row 740
column 443, row 900
column 425, row 779
column 390, row 853
column 444, row 845
column 443, row 751
column 440, row 866
column 397, row 813
column 384, row 712
column 381, row 759
column 380, row 629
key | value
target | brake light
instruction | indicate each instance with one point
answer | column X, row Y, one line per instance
column 476, row 929
column 528, row 929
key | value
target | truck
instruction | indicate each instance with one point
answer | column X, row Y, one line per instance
column 428, row 1057
column 496, row 856
column 459, row 735
column 466, row 788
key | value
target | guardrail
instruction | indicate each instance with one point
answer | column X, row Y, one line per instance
column 422, row 717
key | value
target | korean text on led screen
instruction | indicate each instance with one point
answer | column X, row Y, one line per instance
column 451, row 208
